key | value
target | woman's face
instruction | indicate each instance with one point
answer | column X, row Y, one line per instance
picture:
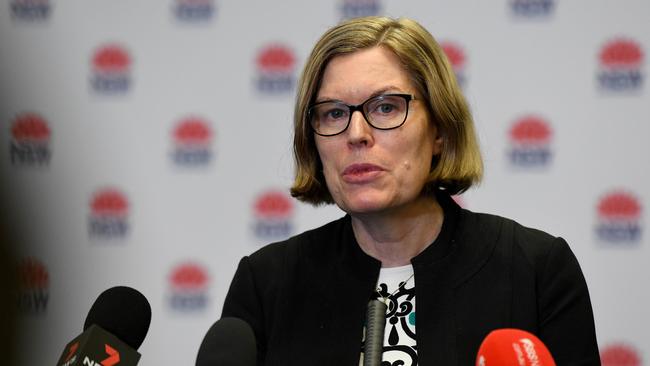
column 369, row 170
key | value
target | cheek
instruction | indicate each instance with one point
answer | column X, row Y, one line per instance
column 417, row 163
column 414, row 169
column 406, row 165
column 326, row 156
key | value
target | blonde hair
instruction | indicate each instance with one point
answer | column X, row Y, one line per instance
column 458, row 166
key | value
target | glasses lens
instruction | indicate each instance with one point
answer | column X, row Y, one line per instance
column 329, row 118
column 386, row 111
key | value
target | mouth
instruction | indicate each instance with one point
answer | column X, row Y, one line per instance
column 360, row 173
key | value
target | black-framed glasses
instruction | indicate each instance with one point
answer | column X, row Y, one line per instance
column 383, row 112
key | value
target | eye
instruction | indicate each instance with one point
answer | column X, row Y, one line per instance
column 334, row 113
column 385, row 108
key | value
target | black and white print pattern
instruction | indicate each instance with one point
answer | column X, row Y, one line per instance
column 400, row 348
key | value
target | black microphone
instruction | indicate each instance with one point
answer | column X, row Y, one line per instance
column 228, row 342
column 114, row 329
column 375, row 324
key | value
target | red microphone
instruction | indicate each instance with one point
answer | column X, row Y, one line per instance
column 513, row 347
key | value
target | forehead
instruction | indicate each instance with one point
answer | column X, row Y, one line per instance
column 354, row 77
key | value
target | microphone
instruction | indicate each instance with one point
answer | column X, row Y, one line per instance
column 228, row 342
column 375, row 324
column 114, row 329
column 513, row 347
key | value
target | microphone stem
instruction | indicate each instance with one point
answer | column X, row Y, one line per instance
column 375, row 325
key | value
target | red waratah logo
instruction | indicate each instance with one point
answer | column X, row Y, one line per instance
column 34, row 281
column 276, row 58
column 111, row 59
column 273, row 204
column 33, row 275
column 275, row 64
column 30, row 137
column 621, row 53
column 273, row 210
column 618, row 215
column 530, row 130
column 530, row 137
column 457, row 59
column 109, row 202
column 188, row 282
column 620, row 65
column 455, row 54
column 192, row 140
column 111, row 68
column 619, row 206
column 619, row 355
column 193, row 131
column 189, row 276
column 30, row 128
column 109, row 209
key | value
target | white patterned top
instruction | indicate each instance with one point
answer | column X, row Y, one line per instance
column 400, row 347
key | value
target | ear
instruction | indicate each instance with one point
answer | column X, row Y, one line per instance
column 437, row 143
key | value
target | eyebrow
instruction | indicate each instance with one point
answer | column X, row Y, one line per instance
column 383, row 90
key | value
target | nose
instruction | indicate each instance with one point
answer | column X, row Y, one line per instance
column 359, row 132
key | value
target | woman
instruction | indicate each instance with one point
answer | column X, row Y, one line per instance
column 383, row 131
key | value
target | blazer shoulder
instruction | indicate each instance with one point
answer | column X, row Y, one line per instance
column 534, row 243
column 537, row 245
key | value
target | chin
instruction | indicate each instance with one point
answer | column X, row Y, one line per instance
column 361, row 204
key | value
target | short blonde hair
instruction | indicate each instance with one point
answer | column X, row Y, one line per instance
column 458, row 166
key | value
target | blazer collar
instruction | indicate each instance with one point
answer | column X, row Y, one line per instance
column 366, row 266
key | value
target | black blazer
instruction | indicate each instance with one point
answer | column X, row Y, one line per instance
column 306, row 297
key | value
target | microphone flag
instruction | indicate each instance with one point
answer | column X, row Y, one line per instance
column 97, row 347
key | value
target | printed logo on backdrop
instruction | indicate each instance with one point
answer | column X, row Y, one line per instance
column 109, row 214
column 194, row 11
column 30, row 10
column 620, row 62
column 359, row 8
column 111, row 70
column 188, row 284
column 530, row 140
column 30, row 141
column 620, row 354
column 275, row 69
column 619, row 217
column 34, row 286
column 273, row 211
column 457, row 59
column 532, row 8
column 192, row 139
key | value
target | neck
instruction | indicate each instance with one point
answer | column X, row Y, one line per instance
column 397, row 236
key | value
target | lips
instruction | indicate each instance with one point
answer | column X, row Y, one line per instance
column 361, row 173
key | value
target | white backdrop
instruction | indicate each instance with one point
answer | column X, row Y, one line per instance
column 148, row 143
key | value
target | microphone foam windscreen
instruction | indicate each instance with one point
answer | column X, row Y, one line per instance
column 228, row 342
column 513, row 347
column 123, row 312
